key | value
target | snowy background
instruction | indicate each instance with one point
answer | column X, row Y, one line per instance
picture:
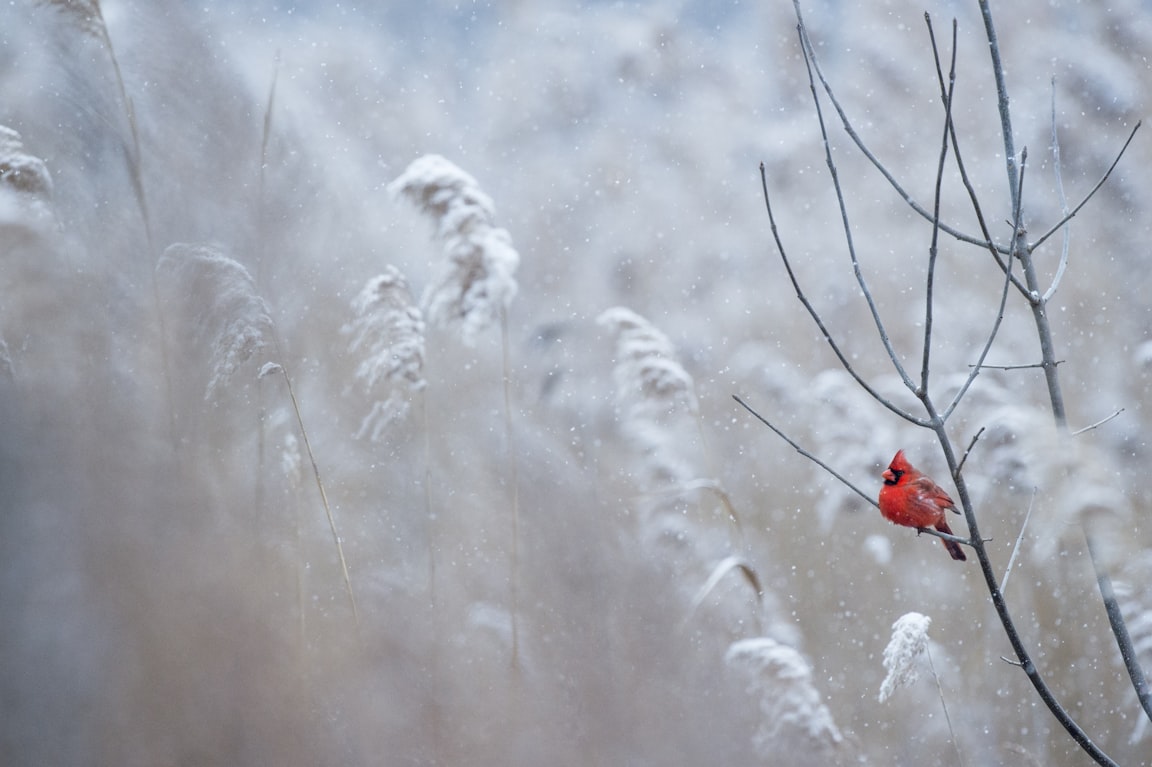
column 170, row 592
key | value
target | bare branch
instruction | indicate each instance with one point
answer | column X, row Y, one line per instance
column 857, row 271
column 816, row 315
column 946, row 95
column 1063, row 202
column 1019, row 538
column 1018, row 367
column 1099, row 423
column 933, row 250
column 968, row 450
column 1090, row 194
column 805, row 453
column 859, row 142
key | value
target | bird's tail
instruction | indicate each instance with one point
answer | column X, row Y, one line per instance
column 954, row 549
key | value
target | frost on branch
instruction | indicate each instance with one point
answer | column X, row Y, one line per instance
column 901, row 656
column 789, row 704
column 387, row 334
column 478, row 282
column 215, row 305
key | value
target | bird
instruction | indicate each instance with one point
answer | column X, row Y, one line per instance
column 912, row 499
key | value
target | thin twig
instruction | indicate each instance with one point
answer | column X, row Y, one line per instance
column 1017, row 367
column 1009, row 277
column 1055, row 228
column 1066, row 244
column 968, row 450
column 806, row 454
column 816, row 315
column 933, row 248
column 1099, row 423
column 859, row 142
column 319, row 486
column 1019, row 538
column 857, row 271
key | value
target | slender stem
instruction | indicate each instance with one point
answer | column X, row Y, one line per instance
column 1002, row 102
column 944, row 705
column 1056, row 227
column 1019, row 540
column 1099, row 423
column 1009, row 277
column 1065, row 246
column 514, row 574
column 320, row 487
column 805, row 453
column 933, row 250
column 859, row 142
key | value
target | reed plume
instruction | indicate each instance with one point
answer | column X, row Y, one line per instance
column 655, row 396
column 215, row 298
column 25, row 184
column 790, row 706
column 387, row 334
column 474, row 287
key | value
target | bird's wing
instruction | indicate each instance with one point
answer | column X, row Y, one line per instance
column 933, row 493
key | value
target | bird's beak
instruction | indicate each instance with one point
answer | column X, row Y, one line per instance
column 888, row 476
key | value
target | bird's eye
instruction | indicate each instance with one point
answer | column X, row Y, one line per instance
column 898, row 473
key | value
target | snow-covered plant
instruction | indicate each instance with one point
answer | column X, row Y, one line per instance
column 779, row 677
column 477, row 283
column 25, row 184
column 902, row 655
column 387, row 334
column 215, row 300
column 654, row 393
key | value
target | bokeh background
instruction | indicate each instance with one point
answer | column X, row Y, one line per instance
column 170, row 592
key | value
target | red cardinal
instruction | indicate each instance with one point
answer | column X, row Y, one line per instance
column 909, row 498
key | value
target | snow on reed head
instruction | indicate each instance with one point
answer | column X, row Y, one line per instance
column 908, row 643
column 215, row 299
column 789, row 703
column 478, row 281
column 388, row 331
column 20, row 171
column 25, row 184
column 653, row 391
